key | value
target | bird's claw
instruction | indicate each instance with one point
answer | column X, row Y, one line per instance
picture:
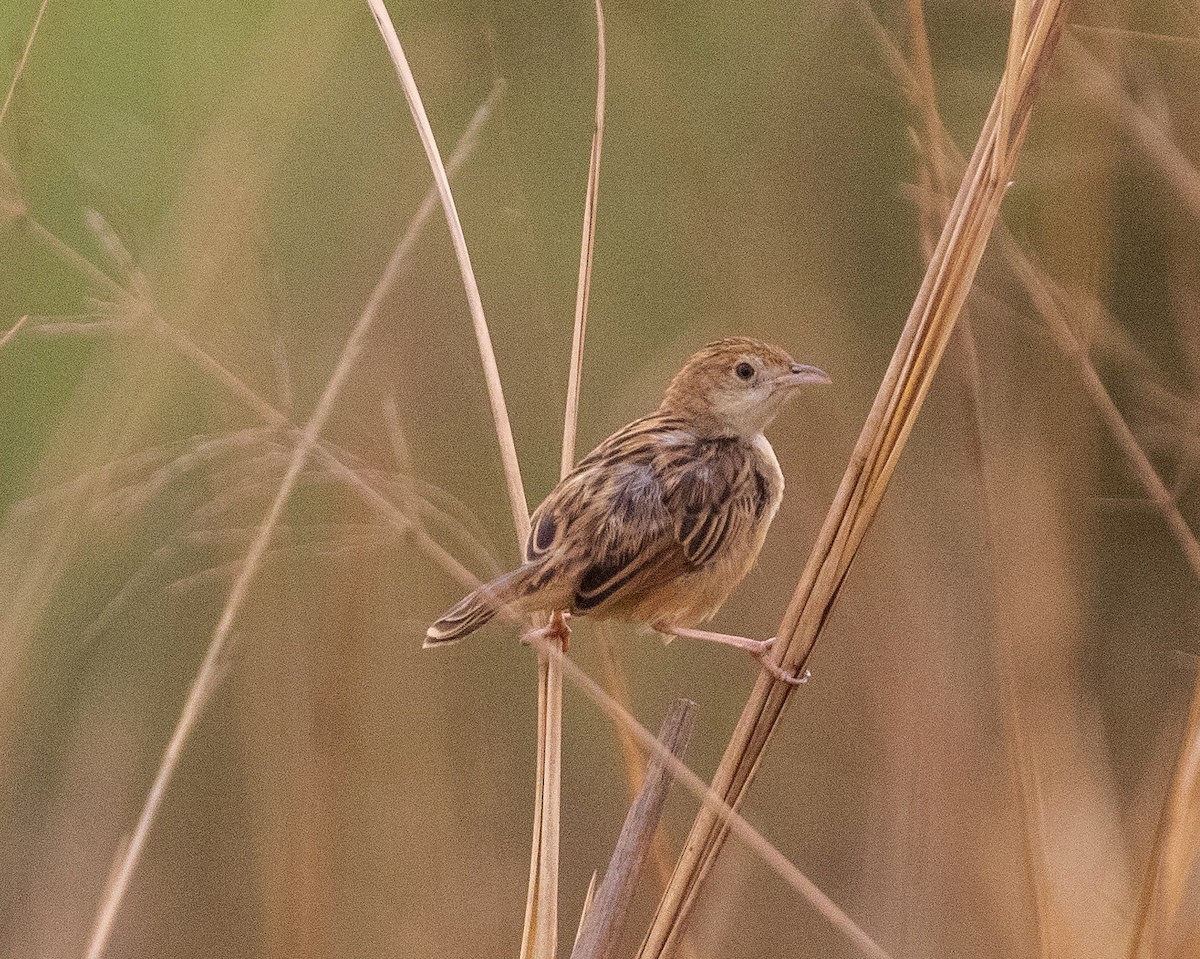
column 774, row 668
column 557, row 629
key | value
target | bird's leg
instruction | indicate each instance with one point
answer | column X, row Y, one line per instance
column 557, row 629
column 758, row 648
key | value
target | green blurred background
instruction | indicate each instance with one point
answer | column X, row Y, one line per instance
column 1006, row 678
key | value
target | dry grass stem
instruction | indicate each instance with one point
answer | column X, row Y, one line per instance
column 13, row 330
column 762, row 847
column 897, row 404
column 1173, row 852
column 604, row 919
column 508, row 450
column 539, row 937
column 586, row 246
column 587, row 905
column 37, row 22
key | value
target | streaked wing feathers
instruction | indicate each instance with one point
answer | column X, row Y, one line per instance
column 712, row 493
column 650, row 503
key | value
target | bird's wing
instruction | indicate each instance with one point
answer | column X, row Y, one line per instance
column 597, row 485
column 649, row 504
column 715, row 494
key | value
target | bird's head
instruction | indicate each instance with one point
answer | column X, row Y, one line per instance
column 735, row 387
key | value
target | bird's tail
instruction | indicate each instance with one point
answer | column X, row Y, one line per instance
column 475, row 609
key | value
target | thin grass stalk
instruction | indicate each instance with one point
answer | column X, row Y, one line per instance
column 491, row 373
column 13, row 330
column 539, row 936
column 37, row 22
column 587, row 244
column 755, row 841
column 587, row 905
column 947, row 281
column 601, row 929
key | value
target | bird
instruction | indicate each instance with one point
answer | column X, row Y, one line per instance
column 660, row 522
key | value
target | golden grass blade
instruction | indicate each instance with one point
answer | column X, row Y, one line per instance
column 584, row 288
column 491, row 373
column 37, row 22
column 587, row 904
column 892, row 416
column 539, row 937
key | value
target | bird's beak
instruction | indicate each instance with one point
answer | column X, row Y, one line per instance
column 801, row 374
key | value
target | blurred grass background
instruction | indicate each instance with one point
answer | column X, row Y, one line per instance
column 348, row 794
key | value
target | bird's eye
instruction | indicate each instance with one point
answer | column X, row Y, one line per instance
column 744, row 371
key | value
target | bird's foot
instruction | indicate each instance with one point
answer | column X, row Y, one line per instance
column 758, row 648
column 772, row 667
column 557, row 629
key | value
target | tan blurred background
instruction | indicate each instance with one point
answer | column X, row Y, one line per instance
column 979, row 763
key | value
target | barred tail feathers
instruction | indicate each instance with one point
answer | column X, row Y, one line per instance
column 475, row 609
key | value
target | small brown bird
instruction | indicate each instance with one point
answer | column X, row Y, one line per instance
column 661, row 521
